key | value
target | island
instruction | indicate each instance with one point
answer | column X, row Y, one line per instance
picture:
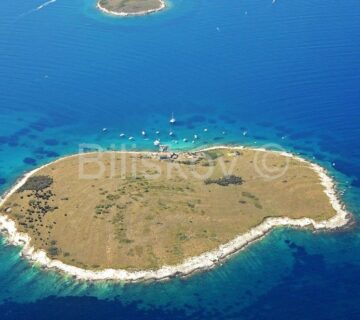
column 134, row 216
column 130, row 7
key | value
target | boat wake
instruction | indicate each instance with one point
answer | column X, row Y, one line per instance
column 42, row 6
column 45, row 4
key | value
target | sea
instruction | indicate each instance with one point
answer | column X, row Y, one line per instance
column 262, row 73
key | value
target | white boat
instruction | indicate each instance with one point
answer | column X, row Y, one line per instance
column 196, row 136
column 157, row 132
column 244, row 133
column 171, row 133
column 122, row 135
column 185, row 140
column 143, row 133
column 131, row 138
column 157, row 142
column 205, row 130
column 104, row 129
column 172, row 120
column 163, row 148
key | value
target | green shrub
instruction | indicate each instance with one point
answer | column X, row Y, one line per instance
column 37, row 183
column 225, row 181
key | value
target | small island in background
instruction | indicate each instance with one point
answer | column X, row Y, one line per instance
column 130, row 7
column 156, row 215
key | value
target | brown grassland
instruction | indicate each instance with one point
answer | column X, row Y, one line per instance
column 162, row 215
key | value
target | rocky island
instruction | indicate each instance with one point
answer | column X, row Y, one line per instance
column 135, row 216
column 130, row 7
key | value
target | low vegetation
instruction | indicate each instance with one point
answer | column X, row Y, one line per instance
column 37, row 183
column 225, row 181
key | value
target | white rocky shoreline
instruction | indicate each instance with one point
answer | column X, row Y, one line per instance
column 202, row 262
column 127, row 14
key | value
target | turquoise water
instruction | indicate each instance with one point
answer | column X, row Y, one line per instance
column 286, row 73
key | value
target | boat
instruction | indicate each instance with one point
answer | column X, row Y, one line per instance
column 163, row 148
column 172, row 120
column 143, row 133
column 131, row 138
column 122, row 135
column 157, row 142
column 171, row 133
column 205, row 130
column 104, row 129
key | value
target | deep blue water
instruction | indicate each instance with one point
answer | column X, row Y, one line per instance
column 287, row 73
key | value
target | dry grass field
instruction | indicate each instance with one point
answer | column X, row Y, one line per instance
column 142, row 212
